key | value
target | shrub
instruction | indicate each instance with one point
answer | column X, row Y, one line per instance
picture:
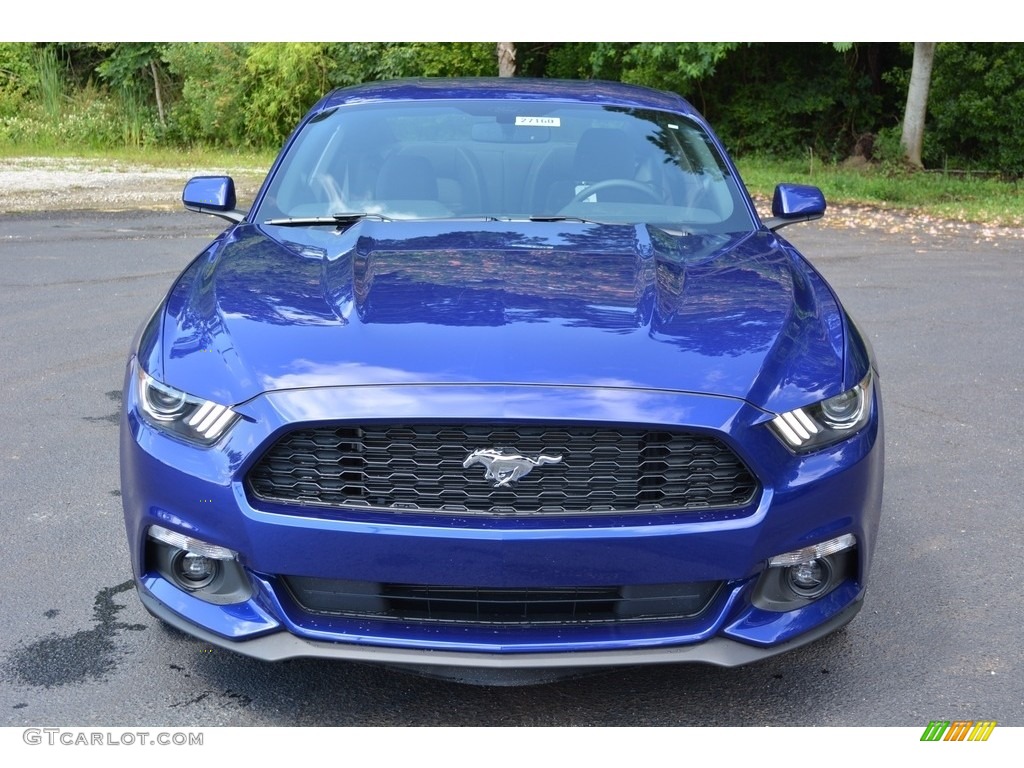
column 211, row 107
column 18, row 77
column 976, row 107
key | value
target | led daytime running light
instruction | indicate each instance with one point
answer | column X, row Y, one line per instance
column 189, row 544
column 830, row 547
column 796, row 426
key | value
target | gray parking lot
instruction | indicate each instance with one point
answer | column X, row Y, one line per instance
column 939, row 637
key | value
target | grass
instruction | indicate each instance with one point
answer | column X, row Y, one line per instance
column 51, row 89
column 157, row 157
column 969, row 198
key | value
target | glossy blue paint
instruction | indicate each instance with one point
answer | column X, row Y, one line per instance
column 212, row 193
column 769, row 628
column 547, row 303
column 797, row 200
column 238, row 621
column 517, row 90
column 501, row 319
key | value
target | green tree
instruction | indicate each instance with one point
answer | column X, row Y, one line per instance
column 134, row 67
column 362, row 62
column 18, row 76
column 788, row 99
column 674, row 67
column 211, row 107
column 281, row 82
column 976, row 107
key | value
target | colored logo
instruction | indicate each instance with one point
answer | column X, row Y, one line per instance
column 958, row 730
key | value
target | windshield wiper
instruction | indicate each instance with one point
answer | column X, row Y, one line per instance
column 340, row 220
column 674, row 230
column 563, row 218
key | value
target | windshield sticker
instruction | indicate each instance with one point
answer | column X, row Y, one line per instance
column 550, row 122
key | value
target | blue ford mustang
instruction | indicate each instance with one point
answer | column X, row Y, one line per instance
column 502, row 380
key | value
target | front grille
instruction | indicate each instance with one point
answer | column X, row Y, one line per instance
column 469, row 605
column 420, row 468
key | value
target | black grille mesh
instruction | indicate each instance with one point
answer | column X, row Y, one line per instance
column 420, row 467
column 478, row 605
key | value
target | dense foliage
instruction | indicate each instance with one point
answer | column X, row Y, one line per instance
column 976, row 106
column 826, row 100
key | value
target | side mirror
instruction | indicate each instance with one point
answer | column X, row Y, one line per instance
column 214, row 195
column 794, row 203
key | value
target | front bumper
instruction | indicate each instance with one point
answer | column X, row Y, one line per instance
column 803, row 500
column 280, row 646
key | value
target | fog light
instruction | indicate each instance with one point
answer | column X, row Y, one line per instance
column 810, row 579
column 197, row 568
column 794, row 579
column 194, row 571
column 207, row 572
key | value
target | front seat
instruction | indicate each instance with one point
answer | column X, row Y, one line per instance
column 407, row 177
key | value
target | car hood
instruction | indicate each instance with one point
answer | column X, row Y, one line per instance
column 532, row 303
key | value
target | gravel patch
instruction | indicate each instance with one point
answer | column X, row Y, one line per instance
column 47, row 184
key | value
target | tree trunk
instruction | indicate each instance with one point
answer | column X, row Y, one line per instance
column 506, row 59
column 917, row 103
column 156, row 90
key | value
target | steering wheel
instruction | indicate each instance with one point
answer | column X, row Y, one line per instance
column 597, row 186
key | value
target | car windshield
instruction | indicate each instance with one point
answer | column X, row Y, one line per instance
column 506, row 160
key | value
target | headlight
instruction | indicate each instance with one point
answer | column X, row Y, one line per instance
column 194, row 419
column 822, row 424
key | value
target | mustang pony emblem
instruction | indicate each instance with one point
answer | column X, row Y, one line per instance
column 504, row 466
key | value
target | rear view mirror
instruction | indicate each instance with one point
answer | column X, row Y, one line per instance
column 499, row 133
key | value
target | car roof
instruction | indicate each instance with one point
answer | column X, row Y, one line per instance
column 513, row 88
